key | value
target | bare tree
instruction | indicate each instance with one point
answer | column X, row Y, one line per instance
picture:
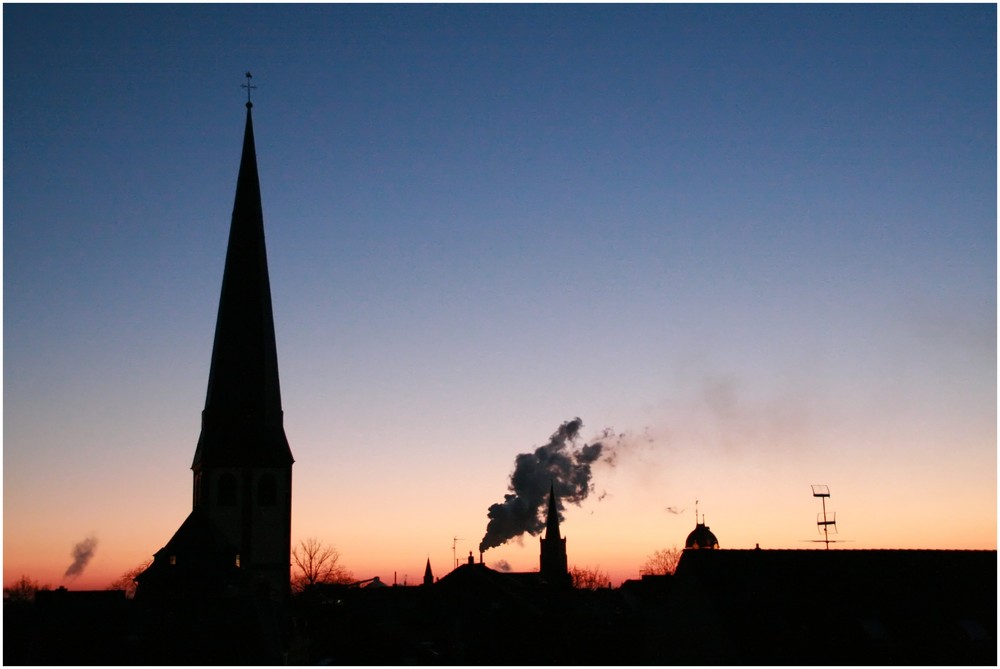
column 22, row 590
column 663, row 561
column 317, row 562
column 126, row 581
column 589, row 578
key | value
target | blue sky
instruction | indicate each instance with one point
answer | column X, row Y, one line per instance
column 760, row 240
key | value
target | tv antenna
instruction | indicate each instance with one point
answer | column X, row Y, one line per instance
column 454, row 544
column 824, row 521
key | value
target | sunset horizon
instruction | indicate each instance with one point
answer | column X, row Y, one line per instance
column 653, row 258
column 520, row 554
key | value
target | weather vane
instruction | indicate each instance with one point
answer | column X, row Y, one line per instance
column 249, row 87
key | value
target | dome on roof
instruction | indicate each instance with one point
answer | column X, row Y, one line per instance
column 701, row 537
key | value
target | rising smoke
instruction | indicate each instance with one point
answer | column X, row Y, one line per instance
column 82, row 553
column 557, row 463
column 502, row 565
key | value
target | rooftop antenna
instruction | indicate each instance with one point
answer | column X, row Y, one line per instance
column 454, row 554
column 249, row 87
column 822, row 520
column 696, row 512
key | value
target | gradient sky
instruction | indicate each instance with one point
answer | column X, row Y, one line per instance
column 756, row 242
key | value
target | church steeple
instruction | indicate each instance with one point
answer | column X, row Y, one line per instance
column 553, row 563
column 243, row 465
column 233, row 550
column 242, row 420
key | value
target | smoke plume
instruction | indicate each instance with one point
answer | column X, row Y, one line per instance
column 558, row 463
column 502, row 565
column 82, row 553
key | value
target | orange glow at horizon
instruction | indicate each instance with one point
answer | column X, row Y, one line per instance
column 645, row 508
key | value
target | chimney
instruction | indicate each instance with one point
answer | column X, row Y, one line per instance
column 472, row 560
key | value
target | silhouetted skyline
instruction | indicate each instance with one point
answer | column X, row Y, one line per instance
column 755, row 247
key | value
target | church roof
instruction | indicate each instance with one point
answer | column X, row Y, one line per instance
column 197, row 558
column 242, row 420
column 199, row 538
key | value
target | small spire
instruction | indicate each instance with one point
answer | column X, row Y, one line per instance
column 249, row 87
column 552, row 560
column 552, row 518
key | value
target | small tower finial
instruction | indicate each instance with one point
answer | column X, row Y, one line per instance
column 249, row 87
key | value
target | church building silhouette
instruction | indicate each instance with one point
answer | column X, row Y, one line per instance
column 236, row 541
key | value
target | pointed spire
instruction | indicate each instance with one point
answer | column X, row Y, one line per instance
column 242, row 420
column 428, row 574
column 553, row 562
column 552, row 519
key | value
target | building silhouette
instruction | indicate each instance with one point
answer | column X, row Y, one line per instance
column 553, row 563
column 243, row 464
column 701, row 537
column 822, row 607
column 230, row 556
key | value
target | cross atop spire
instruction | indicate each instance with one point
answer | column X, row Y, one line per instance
column 249, row 87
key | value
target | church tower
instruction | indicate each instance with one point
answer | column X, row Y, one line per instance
column 553, row 563
column 243, row 464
